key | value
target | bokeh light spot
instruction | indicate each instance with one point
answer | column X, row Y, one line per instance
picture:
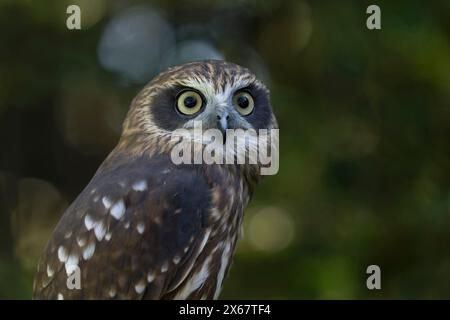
column 270, row 229
column 134, row 42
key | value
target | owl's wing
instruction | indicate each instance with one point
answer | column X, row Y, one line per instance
column 135, row 231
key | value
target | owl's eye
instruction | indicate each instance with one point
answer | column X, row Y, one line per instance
column 243, row 102
column 189, row 102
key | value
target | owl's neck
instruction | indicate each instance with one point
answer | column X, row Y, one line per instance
column 150, row 146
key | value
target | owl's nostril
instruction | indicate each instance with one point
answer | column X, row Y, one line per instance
column 226, row 118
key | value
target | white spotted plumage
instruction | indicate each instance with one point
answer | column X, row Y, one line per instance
column 71, row 264
column 100, row 230
column 150, row 276
column 106, row 202
column 88, row 251
column 118, row 209
column 50, row 271
column 89, row 222
column 140, row 286
column 62, row 254
column 140, row 185
column 140, row 227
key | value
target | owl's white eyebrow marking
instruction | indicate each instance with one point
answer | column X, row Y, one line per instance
column 62, row 254
column 118, row 209
column 88, row 252
column 60, row 296
column 106, row 202
column 140, row 287
column 100, row 230
column 89, row 222
column 71, row 264
column 140, row 227
column 50, row 271
column 140, row 185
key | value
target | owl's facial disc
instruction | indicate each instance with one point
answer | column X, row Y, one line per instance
column 232, row 108
column 217, row 94
column 180, row 106
column 217, row 114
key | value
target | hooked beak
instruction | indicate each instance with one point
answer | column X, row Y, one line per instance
column 222, row 124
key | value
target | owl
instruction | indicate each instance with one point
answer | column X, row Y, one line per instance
column 145, row 227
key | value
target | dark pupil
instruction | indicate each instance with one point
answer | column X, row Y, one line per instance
column 190, row 102
column 242, row 101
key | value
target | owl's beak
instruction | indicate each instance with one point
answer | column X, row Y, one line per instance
column 222, row 124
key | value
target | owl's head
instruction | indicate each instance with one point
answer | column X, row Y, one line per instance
column 219, row 94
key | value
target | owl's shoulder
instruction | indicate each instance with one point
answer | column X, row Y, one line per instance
column 143, row 211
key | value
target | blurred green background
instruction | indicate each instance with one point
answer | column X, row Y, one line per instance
column 364, row 126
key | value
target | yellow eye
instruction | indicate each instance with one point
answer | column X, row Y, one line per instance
column 189, row 102
column 243, row 102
